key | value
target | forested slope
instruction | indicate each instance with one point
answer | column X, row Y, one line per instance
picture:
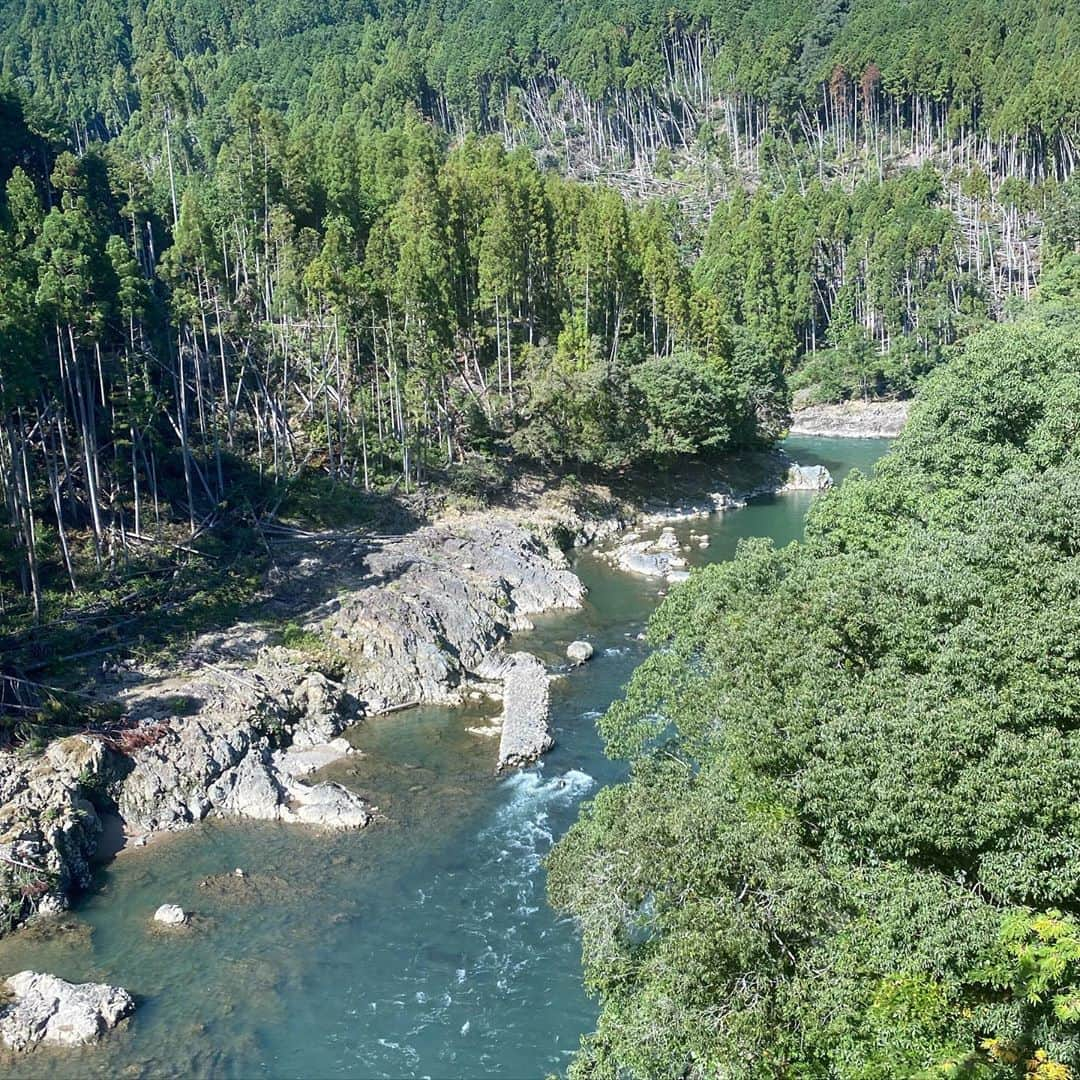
column 269, row 254
column 848, row 847
column 341, row 246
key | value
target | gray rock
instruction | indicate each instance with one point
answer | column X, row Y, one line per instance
column 49, row 830
column 579, row 651
column 807, row 478
column 852, row 419
column 327, row 805
column 247, row 718
column 222, row 760
column 648, row 558
column 49, row 1010
column 296, row 762
column 689, row 509
column 526, row 733
column 441, row 600
column 170, row 915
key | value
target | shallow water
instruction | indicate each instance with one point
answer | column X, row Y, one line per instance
column 421, row 946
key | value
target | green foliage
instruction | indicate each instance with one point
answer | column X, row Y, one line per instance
column 852, row 767
column 690, row 404
column 319, row 648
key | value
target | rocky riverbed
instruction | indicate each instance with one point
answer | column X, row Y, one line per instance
column 239, row 723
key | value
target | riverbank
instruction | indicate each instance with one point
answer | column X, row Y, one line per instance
column 422, row 944
column 852, row 419
column 355, row 626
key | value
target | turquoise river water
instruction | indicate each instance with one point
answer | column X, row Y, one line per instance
column 419, row 947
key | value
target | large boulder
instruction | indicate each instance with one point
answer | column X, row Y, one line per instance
column 170, row 915
column 579, row 651
column 49, row 1010
column 807, row 478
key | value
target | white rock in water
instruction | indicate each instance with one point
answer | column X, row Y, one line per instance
column 579, row 651
column 328, row 805
column 808, row 478
column 48, row 1010
column 170, row 915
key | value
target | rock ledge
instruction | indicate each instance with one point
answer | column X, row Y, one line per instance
column 49, row 1010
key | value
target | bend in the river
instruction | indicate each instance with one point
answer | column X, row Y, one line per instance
column 421, row 946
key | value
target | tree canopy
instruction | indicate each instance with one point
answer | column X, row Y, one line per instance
column 849, row 843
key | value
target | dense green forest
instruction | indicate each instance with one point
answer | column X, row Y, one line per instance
column 848, row 847
column 261, row 255
column 243, row 246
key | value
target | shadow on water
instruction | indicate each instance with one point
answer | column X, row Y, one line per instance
column 421, row 946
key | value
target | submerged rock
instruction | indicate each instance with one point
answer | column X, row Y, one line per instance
column 579, row 651
column 49, row 1010
column 170, row 915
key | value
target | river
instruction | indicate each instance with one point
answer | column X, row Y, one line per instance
column 419, row 947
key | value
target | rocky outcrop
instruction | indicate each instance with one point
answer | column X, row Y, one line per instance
column 49, row 829
column 526, row 732
column 687, row 509
column 852, row 419
column 225, row 757
column 440, row 601
column 239, row 731
column 807, row 478
column 657, row 556
column 46, row 1009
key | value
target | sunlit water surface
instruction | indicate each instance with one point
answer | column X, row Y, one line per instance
column 420, row 947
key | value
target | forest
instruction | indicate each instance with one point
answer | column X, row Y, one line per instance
column 371, row 248
column 294, row 258
column 848, row 846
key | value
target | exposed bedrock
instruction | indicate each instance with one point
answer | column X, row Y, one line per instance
column 852, row 419
column 525, row 728
column 45, row 1009
column 238, row 724
column 440, row 601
